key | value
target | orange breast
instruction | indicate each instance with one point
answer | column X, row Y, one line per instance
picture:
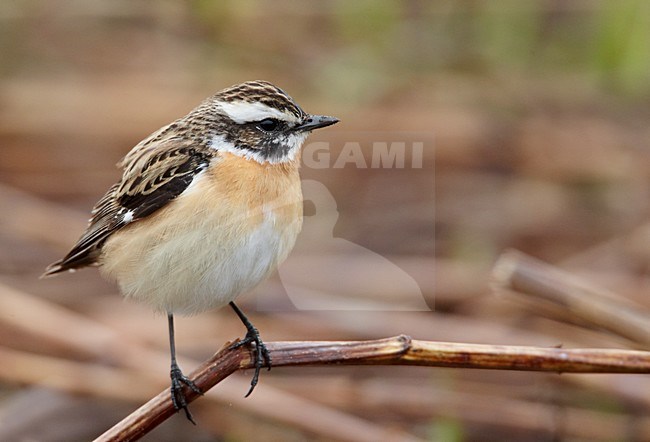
column 260, row 188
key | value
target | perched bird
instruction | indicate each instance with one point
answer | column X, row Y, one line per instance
column 206, row 209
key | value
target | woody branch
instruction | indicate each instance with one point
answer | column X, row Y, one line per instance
column 399, row 350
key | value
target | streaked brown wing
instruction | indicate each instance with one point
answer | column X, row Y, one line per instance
column 153, row 178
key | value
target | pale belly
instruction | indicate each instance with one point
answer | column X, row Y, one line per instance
column 200, row 269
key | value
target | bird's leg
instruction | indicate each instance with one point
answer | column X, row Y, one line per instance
column 262, row 355
column 177, row 376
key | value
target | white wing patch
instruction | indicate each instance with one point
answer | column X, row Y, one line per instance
column 124, row 216
column 127, row 217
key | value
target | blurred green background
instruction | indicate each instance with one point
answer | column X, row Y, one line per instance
column 534, row 117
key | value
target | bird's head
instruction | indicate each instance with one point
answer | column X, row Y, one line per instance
column 261, row 122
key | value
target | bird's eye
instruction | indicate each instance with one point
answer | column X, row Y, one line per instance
column 268, row 124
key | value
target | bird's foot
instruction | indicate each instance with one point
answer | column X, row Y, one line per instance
column 178, row 396
column 262, row 355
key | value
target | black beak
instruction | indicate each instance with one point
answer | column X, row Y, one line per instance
column 316, row 122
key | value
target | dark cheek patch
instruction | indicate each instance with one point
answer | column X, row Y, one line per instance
column 249, row 139
column 274, row 150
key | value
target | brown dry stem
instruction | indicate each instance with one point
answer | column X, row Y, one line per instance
column 528, row 277
column 399, row 350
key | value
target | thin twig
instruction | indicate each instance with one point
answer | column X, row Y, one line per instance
column 524, row 275
column 399, row 350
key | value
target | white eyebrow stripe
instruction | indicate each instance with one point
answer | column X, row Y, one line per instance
column 244, row 112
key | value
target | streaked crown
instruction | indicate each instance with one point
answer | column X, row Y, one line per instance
column 261, row 92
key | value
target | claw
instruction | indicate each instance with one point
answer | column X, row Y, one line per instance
column 178, row 397
column 262, row 355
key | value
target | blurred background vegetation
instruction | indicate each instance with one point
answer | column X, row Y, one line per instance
column 534, row 115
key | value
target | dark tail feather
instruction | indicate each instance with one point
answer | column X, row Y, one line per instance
column 53, row 269
column 69, row 263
